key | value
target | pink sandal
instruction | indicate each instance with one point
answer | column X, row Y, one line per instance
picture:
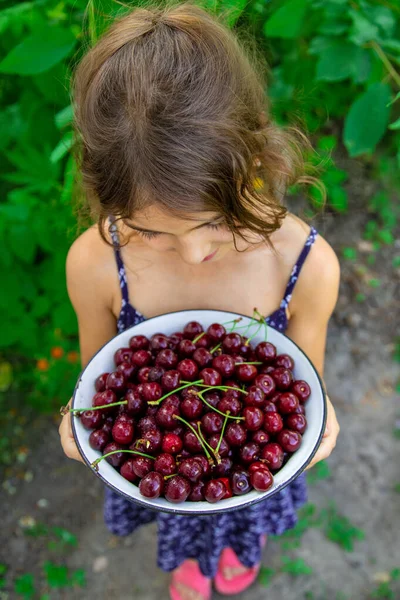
column 237, row 583
column 189, row 575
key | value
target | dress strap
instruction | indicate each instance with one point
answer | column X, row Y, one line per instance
column 298, row 266
column 113, row 229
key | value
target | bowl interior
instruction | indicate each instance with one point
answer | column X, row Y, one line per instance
column 103, row 361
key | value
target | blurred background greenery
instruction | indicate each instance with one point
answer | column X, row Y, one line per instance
column 334, row 70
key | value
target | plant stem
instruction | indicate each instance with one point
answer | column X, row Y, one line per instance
column 219, row 387
column 222, row 433
column 200, row 395
column 64, row 410
column 196, row 339
column 95, row 463
column 187, row 384
column 386, row 61
column 206, row 452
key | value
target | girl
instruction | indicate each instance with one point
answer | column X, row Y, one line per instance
column 186, row 174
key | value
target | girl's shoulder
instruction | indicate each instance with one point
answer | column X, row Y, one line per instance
column 318, row 281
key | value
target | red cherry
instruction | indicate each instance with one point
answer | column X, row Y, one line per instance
column 283, row 378
column 123, row 355
column 273, row 422
column 127, row 470
column 287, row 403
column 296, row 422
column 272, row 454
column 210, row 377
column 265, row 351
column 246, row 373
column 261, row 480
column 216, row 332
column 139, row 342
column 171, row 443
column 266, row 383
column 284, row 360
column 289, row 440
column 188, row 369
column 100, row 383
column 301, row 389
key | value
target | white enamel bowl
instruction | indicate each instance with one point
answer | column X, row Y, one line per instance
column 102, row 362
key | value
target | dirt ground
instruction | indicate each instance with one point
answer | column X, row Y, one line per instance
column 361, row 377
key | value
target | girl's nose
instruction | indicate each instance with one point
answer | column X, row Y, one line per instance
column 192, row 251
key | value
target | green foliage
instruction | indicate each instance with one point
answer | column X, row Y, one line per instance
column 319, row 471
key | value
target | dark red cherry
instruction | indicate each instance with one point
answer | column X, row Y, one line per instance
column 152, row 391
column 254, row 397
column 191, row 407
column 212, row 423
column 230, row 403
column 205, row 465
column 265, row 351
column 192, row 330
column 191, row 442
column 269, row 406
column 141, row 465
column 159, row 341
column 260, row 437
column 301, row 389
column 231, row 343
column 116, row 382
column 283, row 378
column 287, row 403
column 123, row 431
column 152, row 485
column 246, row 373
column 104, row 398
column 139, row 342
column 301, row 409
column 223, row 468
column 214, row 490
column 216, row 332
column 171, row 443
column 249, row 452
column 186, row 348
column 127, row 470
column 197, row 493
column 171, row 380
column 224, row 364
column 165, row 464
column 117, row 459
column 204, row 341
column 253, row 418
column 143, row 374
column 156, row 373
column 123, row 355
column 202, row 357
column 210, row 377
column 235, row 434
column 261, row 480
column 213, row 398
column 224, row 449
column 141, row 358
column 127, row 369
column 174, row 340
column 92, row 419
column 98, row 439
column 191, row 469
column 152, row 440
column 145, row 423
column 289, row 440
column 100, row 383
column 177, row 489
column 272, row 454
column 167, row 359
column 136, row 404
column 296, row 422
column 272, row 422
column 266, row 383
column 240, row 482
column 165, row 416
column 284, row 360
column 188, row 369
column 266, row 369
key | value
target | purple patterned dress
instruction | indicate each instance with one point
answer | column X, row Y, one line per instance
column 203, row 537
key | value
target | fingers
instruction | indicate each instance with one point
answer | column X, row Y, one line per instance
column 67, row 439
column 329, row 438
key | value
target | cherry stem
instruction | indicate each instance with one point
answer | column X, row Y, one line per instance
column 262, row 318
column 78, row 410
column 222, row 433
column 216, row 456
column 250, row 322
column 200, row 394
column 217, row 387
column 196, row 339
column 248, row 363
column 247, row 342
column 206, row 452
column 234, row 321
column 95, row 463
column 187, row 384
column 169, row 476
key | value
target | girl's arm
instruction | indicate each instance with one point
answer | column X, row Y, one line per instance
column 90, row 295
column 313, row 302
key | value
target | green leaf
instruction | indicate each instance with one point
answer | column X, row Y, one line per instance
column 78, row 578
column 63, row 147
column 374, row 283
column 22, row 243
column 341, row 531
column 65, row 536
column 287, row 21
column 363, row 30
column 338, row 199
column 370, row 107
column 336, row 61
column 295, row 566
column 24, row 586
column 64, row 117
column 321, row 470
column 360, row 297
column 57, row 576
column 265, row 575
column 39, row 52
column 396, row 262
column 395, row 125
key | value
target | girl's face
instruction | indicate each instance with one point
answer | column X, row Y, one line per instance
column 197, row 240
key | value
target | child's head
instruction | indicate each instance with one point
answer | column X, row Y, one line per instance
column 172, row 118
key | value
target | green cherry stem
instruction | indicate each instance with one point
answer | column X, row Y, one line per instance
column 196, row 339
column 262, row 318
column 64, row 409
column 248, row 363
column 216, row 456
column 200, row 395
column 216, row 387
column 95, row 463
column 206, row 452
column 222, row 433
column 250, row 324
column 234, row 321
column 182, row 387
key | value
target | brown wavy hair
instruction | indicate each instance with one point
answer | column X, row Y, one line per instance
column 170, row 109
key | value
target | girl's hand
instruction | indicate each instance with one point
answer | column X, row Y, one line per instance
column 67, row 438
column 329, row 439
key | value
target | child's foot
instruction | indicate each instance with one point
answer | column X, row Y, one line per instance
column 189, row 583
column 232, row 576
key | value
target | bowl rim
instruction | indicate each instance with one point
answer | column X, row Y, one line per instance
column 176, row 510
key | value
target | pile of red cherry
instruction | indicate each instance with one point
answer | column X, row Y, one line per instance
column 197, row 415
